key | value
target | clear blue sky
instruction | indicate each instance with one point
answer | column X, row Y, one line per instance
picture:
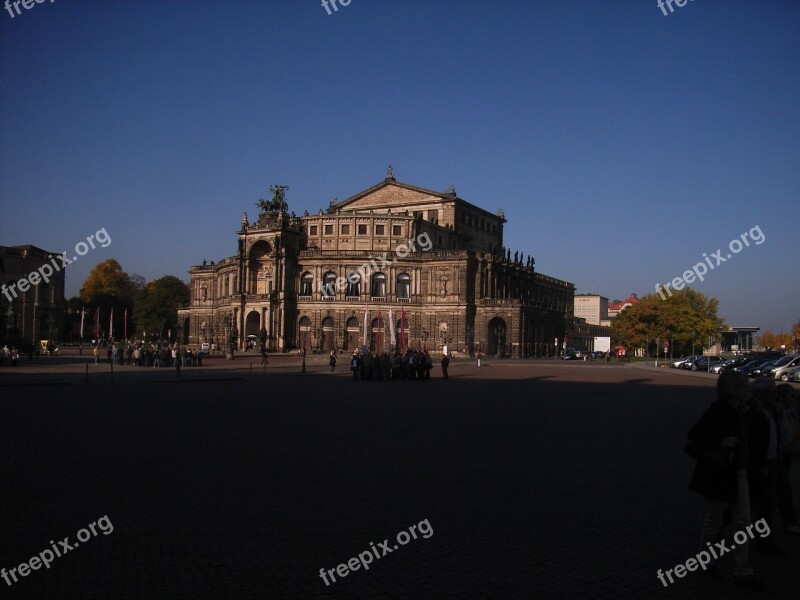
column 621, row 143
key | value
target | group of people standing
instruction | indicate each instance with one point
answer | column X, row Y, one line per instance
column 744, row 445
column 152, row 355
column 411, row 365
column 11, row 356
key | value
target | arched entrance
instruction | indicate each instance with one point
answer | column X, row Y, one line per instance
column 496, row 336
column 252, row 323
column 328, row 336
column 304, row 341
column 353, row 331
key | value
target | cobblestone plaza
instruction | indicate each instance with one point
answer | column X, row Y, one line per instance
column 538, row 479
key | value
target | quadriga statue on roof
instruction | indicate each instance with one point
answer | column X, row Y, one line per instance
column 278, row 201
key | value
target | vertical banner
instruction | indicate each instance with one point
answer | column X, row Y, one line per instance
column 96, row 329
column 83, row 313
column 366, row 325
column 125, row 325
column 392, row 338
column 379, row 340
column 111, row 325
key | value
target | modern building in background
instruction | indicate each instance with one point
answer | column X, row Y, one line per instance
column 430, row 261
column 34, row 314
column 592, row 307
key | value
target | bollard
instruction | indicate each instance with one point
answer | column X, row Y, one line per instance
column 178, row 368
column 112, row 372
column 265, row 370
column 86, row 379
column 303, row 370
column 251, row 368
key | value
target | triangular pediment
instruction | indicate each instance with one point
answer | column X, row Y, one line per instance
column 390, row 194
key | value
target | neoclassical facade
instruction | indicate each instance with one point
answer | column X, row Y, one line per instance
column 332, row 280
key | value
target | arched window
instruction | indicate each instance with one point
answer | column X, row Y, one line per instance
column 306, row 284
column 353, row 284
column 379, row 285
column 329, row 285
column 403, row 286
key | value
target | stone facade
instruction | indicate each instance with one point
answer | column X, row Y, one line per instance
column 37, row 313
column 394, row 249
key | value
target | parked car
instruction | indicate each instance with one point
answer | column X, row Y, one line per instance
column 748, row 368
column 717, row 369
column 572, row 356
column 704, row 363
column 791, row 374
column 687, row 363
column 780, row 365
column 761, row 369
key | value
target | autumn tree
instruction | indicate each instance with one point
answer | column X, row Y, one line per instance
column 687, row 318
column 156, row 306
column 107, row 283
column 108, row 288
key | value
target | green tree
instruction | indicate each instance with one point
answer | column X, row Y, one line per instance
column 156, row 306
column 685, row 316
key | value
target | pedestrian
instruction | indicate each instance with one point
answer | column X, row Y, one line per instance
column 719, row 443
column 765, row 442
column 110, row 352
column 96, row 353
column 5, row 353
column 264, row 360
column 445, row 364
column 14, row 356
column 478, row 357
column 790, row 444
column 332, row 361
column 355, row 365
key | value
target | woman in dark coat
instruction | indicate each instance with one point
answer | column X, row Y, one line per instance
column 719, row 442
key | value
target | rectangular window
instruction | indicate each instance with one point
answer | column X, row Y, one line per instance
column 345, row 229
column 362, row 230
column 396, row 230
column 312, row 230
column 328, row 229
column 379, row 229
column 433, row 215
